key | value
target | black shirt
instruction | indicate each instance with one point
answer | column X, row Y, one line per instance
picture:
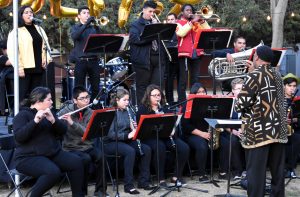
column 3, row 60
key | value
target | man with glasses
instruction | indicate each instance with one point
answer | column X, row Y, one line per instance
column 72, row 142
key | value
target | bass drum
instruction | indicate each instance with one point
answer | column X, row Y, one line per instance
column 116, row 68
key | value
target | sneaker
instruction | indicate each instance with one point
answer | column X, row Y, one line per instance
column 178, row 182
column 146, row 187
column 203, row 178
column 236, row 177
column 132, row 191
column 101, row 194
column 222, row 175
column 293, row 174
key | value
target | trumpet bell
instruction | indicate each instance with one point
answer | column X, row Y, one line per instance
column 103, row 20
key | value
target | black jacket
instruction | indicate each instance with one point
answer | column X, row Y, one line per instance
column 222, row 52
column 34, row 139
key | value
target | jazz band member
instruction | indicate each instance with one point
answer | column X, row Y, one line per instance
column 290, row 83
column 121, row 128
column 262, row 104
column 189, row 57
column 144, row 53
column 38, row 152
column 151, row 104
column 86, row 150
column 32, row 56
column 86, row 63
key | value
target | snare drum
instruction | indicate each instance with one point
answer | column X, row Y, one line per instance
column 116, row 68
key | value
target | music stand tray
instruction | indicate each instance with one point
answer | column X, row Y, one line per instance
column 165, row 31
column 103, row 43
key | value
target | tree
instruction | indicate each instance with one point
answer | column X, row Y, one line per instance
column 278, row 10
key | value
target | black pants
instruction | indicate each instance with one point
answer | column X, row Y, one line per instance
column 257, row 160
column 6, row 78
column 90, row 67
column 292, row 151
column 129, row 151
column 172, row 71
column 200, row 145
column 237, row 154
column 29, row 82
column 49, row 170
column 92, row 155
column 187, row 65
column 145, row 77
column 183, row 152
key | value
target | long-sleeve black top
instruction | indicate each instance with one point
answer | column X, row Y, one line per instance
column 36, row 139
column 80, row 33
column 120, row 126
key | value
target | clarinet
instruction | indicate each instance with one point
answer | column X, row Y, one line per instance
column 133, row 127
column 161, row 112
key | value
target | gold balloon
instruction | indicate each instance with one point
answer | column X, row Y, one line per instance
column 96, row 6
column 5, row 3
column 36, row 5
column 176, row 9
column 124, row 11
column 182, row 2
column 159, row 9
column 60, row 11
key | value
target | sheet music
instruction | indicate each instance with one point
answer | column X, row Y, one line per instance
column 176, row 124
column 236, row 121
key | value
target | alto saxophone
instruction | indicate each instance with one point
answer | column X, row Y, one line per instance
column 133, row 127
column 215, row 138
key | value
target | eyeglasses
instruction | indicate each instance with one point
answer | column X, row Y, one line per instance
column 156, row 95
column 84, row 98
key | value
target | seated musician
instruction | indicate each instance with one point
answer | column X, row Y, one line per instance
column 151, row 104
column 197, row 136
column 290, row 82
column 239, row 45
column 122, row 128
column 86, row 150
column 38, row 152
column 6, row 72
column 237, row 156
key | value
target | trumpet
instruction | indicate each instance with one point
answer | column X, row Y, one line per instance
column 102, row 21
column 205, row 13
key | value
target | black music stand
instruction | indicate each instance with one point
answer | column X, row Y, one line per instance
column 155, row 126
column 98, row 126
column 211, row 40
column 203, row 106
column 159, row 32
column 103, row 43
column 228, row 123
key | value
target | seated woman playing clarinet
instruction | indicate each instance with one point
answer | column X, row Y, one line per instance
column 122, row 129
column 151, row 104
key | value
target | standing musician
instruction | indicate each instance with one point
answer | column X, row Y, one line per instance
column 86, row 63
column 151, row 104
column 239, row 45
column 290, row 82
column 86, row 150
column 32, row 56
column 237, row 156
column 172, row 66
column 262, row 104
column 144, row 53
column 189, row 57
column 196, row 135
column 122, row 128
column 38, row 150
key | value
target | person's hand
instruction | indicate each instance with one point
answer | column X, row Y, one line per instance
column 250, row 66
column 68, row 118
column 44, row 64
column 229, row 58
column 196, row 19
column 205, row 135
column 49, row 115
column 39, row 116
column 21, row 73
column 237, row 133
column 89, row 20
column 131, row 134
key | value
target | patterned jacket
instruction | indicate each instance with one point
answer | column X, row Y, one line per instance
column 262, row 104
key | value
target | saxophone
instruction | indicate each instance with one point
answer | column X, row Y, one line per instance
column 215, row 138
column 133, row 127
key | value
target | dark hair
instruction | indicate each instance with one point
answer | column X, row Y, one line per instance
column 146, row 98
column 170, row 14
column 38, row 94
column 21, row 21
column 77, row 90
column 289, row 80
column 3, row 44
column 185, row 5
column 150, row 4
column 238, row 37
column 84, row 7
column 196, row 86
column 120, row 93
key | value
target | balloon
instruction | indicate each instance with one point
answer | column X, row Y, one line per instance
column 182, row 2
column 96, row 6
column 36, row 5
column 176, row 9
column 160, row 7
column 60, row 11
column 124, row 11
column 5, row 3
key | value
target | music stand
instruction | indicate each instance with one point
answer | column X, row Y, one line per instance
column 229, row 123
column 103, row 43
column 98, row 126
column 155, row 126
column 159, row 32
column 205, row 106
column 211, row 40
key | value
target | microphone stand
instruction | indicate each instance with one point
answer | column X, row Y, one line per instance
column 178, row 104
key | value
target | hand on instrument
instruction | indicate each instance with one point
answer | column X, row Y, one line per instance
column 250, row 66
column 48, row 114
column 205, row 135
column 89, row 20
column 237, row 133
column 68, row 118
column 229, row 58
column 131, row 134
column 39, row 116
